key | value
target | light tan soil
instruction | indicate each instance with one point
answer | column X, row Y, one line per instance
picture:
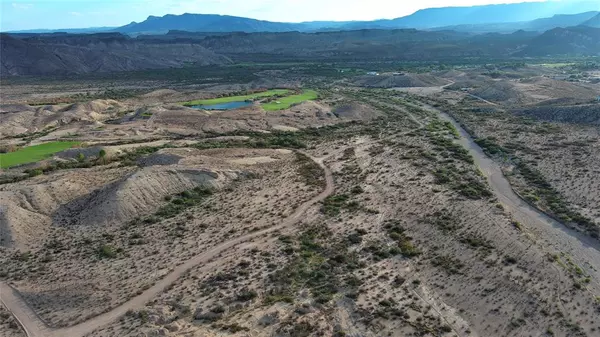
column 416, row 232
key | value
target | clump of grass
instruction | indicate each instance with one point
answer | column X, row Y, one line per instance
column 179, row 202
column 316, row 263
column 258, row 140
column 107, row 251
column 465, row 182
column 333, row 204
column 491, row 148
column 404, row 243
column 311, row 173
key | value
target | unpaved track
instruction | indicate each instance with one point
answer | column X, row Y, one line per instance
column 35, row 327
column 551, row 235
column 482, row 99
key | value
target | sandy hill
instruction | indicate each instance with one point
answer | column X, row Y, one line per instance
column 17, row 119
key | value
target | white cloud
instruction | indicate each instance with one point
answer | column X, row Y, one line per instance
column 20, row 6
column 75, row 13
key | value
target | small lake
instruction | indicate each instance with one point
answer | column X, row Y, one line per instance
column 223, row 106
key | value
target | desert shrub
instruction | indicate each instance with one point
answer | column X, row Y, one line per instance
column 180, row 202
column 311, row 173
column 554, row 200
column 449, row 264
column 490, row 147
column 246, row 295
column 107, row 251
column 333, row 204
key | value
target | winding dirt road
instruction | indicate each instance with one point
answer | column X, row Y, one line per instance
column 34, row 326
column 548, row 232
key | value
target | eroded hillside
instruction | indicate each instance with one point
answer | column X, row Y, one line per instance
column 364, row 212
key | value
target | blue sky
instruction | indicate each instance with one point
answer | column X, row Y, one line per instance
column 55, row 14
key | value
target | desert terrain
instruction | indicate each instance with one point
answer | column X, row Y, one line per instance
column 459, row 202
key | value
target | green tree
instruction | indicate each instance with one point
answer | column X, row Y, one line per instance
column 102, row 156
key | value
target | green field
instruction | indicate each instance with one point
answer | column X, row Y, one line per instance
column 221, row 100
column 286, row 102
column 34, row 153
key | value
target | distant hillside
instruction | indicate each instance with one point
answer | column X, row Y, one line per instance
column 365, row 45
column 498, row 18
column 205, row 23
column 67, row 30
column 593, row 22
column 46, row 54
column 76, row 54
column 539, row 25
column 341, row 45
column 518, row 12
column 558, row 14
column 579, row 40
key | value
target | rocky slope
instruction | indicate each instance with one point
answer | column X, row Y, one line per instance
column 96, row 53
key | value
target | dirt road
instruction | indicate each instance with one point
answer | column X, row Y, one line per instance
column 35, row 327
column 550, row 235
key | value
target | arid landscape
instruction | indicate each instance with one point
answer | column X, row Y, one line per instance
column 162, row 219
column 300, row 189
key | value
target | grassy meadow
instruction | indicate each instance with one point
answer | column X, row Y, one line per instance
column 229, row 99
column 286, row 102
column 33, row 153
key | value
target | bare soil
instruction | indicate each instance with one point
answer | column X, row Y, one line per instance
column 200, row 223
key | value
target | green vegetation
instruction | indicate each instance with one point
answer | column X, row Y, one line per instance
column 405, row 246
column 289, row 101
column 463, row 181
column 443, row 127
column 449, row 149
column 311, row 173
column 238, row 98
column 491, row 148
column 466, row 180
column 317, row 263
column 34, row 153
column 333, row 204
column 178, row 203
column 257, row 140
column 278, row 139
column 128, row 158
column 543, row 191
column 107, row 252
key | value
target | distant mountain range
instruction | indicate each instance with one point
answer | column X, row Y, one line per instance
column 537, row 16
column 481, row 32
column 537, row 25
column 62, row 54
column 593, row 22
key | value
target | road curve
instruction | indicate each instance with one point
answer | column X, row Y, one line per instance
column 30, row 322
column 35, row 327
